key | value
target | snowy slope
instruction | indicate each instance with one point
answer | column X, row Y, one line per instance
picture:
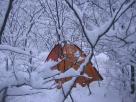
column 100, row 92
column 79, row 94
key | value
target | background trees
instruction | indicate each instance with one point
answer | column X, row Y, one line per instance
column 107, row 27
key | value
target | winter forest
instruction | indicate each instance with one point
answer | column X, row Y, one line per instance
column 39, row 38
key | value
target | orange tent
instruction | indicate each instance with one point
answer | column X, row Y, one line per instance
column 72, row 57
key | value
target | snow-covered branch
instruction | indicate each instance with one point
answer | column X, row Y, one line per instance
column 79, row 14
column 25, row 94
column 68, row 88
column 14, row 49
column 94, row 36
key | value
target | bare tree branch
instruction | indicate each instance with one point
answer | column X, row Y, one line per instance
column 26, row 94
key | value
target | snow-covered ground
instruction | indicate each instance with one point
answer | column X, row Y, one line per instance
column 99, row 94
column 100, row 91
column 79, row 94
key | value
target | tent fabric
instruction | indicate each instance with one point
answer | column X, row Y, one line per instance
column 70, row 55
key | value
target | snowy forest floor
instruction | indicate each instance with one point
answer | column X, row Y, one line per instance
column 100, row 93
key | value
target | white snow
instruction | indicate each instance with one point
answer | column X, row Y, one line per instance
column 69, row 73
column 13, row 49
column 40, row 92
column 40, row 81
column 77, row 54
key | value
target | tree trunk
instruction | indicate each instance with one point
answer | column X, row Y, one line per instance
column 132, row 79
column 5, row 19
column 3, row 95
